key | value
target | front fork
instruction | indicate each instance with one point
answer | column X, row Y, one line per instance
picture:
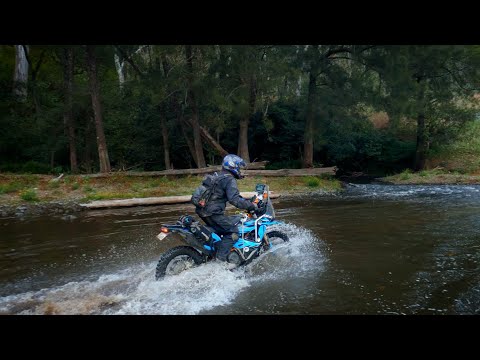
column 266, row 243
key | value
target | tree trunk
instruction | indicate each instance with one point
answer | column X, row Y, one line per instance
column 422, row 144
column 166, row 151
column 88, row 146
column 68, row 109
column 242, row 149
column 33, row 78
column 209, row 138
column 119, row 67
column 309, row 120
column 52, row 159
column 215, row 144
column 197, row 141
column 20, row 76
column 183, row 125
column 97, row 110
column 174, row 105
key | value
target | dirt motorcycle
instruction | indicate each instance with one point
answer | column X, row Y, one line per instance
column 252, row 239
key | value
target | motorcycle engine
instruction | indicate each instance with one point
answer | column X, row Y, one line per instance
column 234, row 258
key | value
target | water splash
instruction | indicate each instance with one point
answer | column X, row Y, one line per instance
column 134, row 290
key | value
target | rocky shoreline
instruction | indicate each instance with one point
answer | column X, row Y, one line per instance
column 65, row 209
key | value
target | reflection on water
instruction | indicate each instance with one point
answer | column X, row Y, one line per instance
column 374, row 249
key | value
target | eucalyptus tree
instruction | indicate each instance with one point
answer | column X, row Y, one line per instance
column 433, row 84
column 97, row 109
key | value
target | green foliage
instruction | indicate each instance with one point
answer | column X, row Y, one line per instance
column 53, row 185
column 286, row 164
column 33, row 167
column 29, row 195
column 406, row 174
column 312, row 181
column 352, row 82
column 281, row 144
column 110, row 195
column 10, row 187
column 88, row 188
column 461, row 152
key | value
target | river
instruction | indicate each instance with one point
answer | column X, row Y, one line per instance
column 373, row 249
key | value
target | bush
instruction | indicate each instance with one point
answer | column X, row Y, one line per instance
column 312, row 182
column 34, row 167
column 30, row 167
column 406, row 174
column 29, row 195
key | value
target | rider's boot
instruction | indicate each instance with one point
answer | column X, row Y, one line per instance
column 223, row 247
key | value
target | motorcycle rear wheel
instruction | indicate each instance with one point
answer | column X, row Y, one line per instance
column 176, row 260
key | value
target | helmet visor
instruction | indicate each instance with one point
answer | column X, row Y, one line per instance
column 241, row 167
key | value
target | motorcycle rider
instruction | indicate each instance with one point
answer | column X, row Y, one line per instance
column 226, row 190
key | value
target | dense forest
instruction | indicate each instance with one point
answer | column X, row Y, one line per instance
column 102, row 108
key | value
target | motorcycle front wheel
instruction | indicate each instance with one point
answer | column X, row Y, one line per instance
column 176, row 260
column 273, row 238
column 277, row 237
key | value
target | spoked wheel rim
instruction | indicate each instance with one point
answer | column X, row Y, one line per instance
column 178, row 264
column 275, row 239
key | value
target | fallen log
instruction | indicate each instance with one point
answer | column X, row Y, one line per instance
column 163, row 200
column 209, row 139
column 292, row 172
column 254, row 169
column 209, row 169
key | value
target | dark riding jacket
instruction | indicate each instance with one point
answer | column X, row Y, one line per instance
column 225, row 190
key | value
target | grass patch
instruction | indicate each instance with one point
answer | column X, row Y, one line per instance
column 53, row 185
column 136, row 187
column 406, row 174
column 29, row 195
column 87, row 189
column 312, row 181
column 14, row 183
column 11, row 187
column 434, row 176
column 155, row 183
column 79, row 188
column 109, row 196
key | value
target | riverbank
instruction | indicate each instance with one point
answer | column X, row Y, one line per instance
column 23, row 195
column 431, row 177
